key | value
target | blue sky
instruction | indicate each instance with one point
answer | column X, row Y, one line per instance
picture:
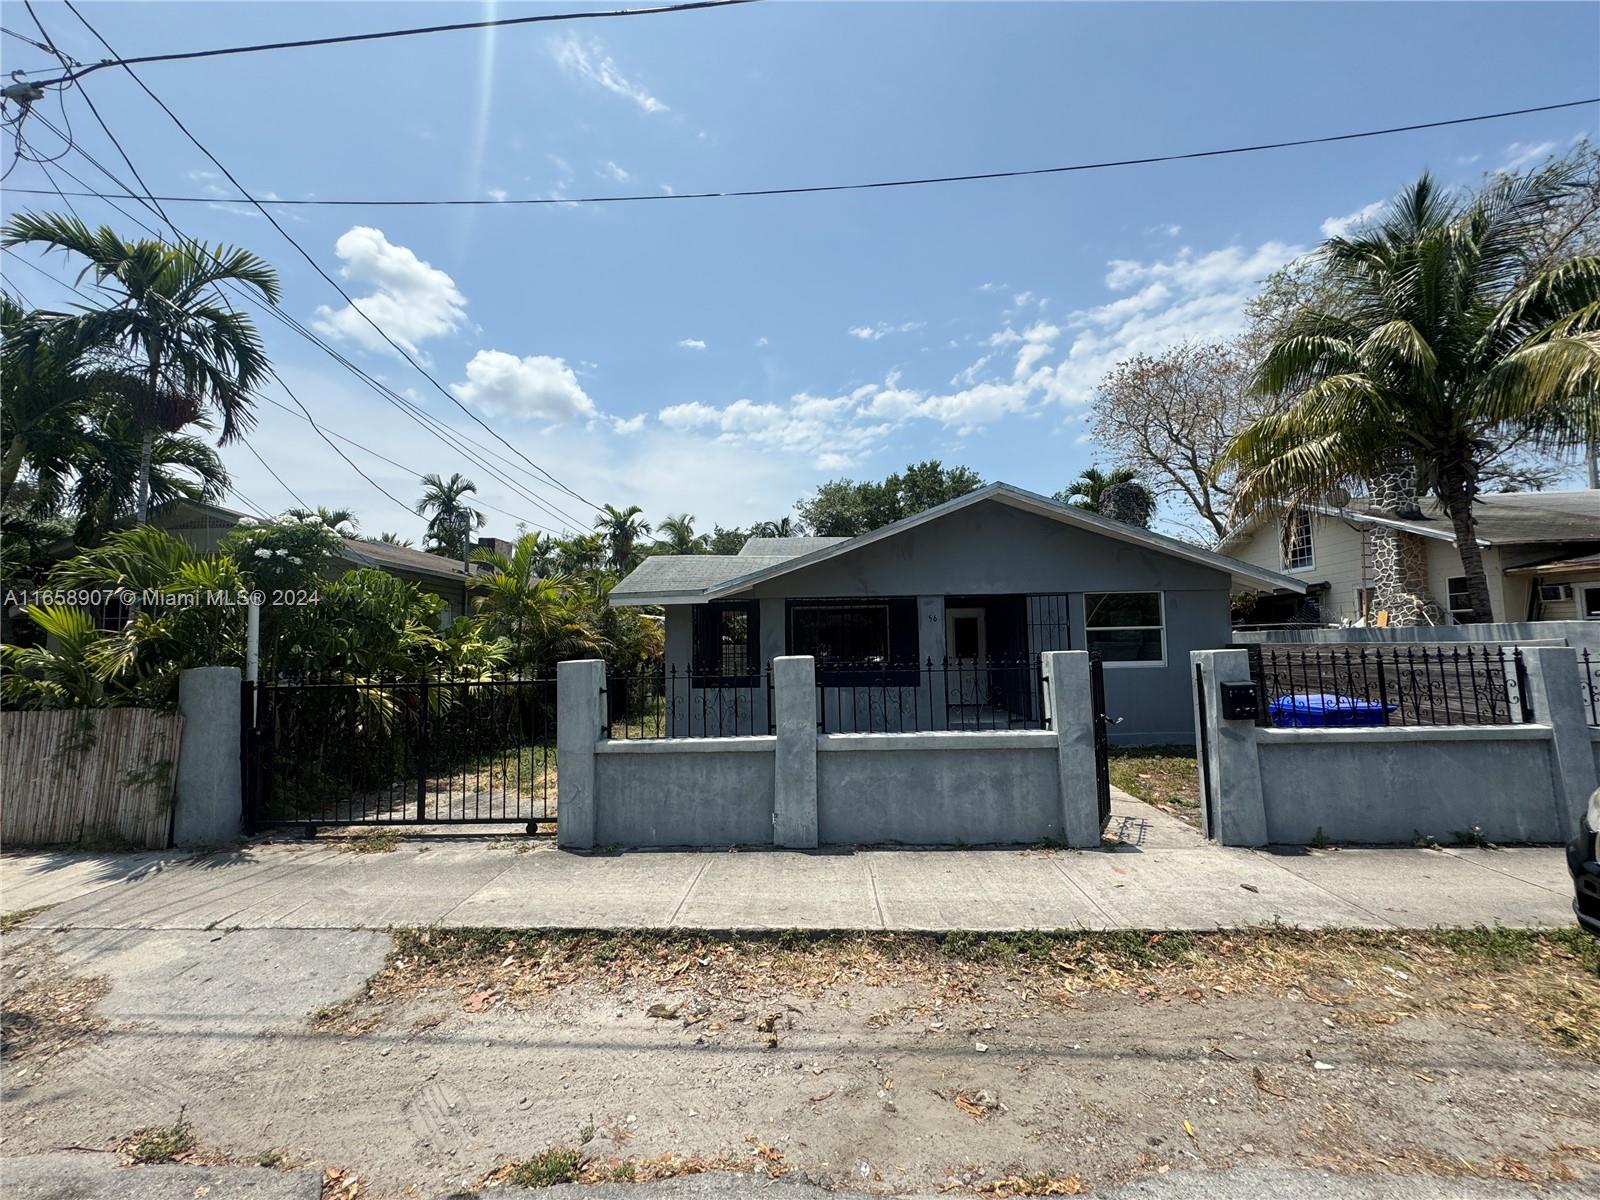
column 724, row 356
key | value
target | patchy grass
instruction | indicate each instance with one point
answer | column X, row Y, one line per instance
column 1165, row 776
column 557, row 1165
column 45, row 1010
column 11, row 920
column 1546, row 981
column 160, row 1144
column 374, row 841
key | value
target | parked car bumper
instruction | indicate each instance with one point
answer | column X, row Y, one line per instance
column 1582, row 853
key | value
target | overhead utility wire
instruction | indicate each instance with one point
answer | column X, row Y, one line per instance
column 429, row 423
column 329, row 279
column 345, row 39
column 1105, row 164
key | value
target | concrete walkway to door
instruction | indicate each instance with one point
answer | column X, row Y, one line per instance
column 1157, row 873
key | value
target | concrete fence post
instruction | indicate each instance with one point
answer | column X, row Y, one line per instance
column 794, row 785
column 580, row 720
column 1556, row 697
column 1069, row 704
column 208, row 789
column 1231, row 764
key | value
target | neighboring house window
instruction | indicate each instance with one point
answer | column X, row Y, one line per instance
column 1125, row 627
column 1460, row 599
column 858, row 634
column 1297, row 549
column 726, row 641
column 1590, row 611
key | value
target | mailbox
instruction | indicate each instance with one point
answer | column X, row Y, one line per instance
column 1240, row 702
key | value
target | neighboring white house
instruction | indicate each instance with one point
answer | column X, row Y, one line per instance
column 1541, row 553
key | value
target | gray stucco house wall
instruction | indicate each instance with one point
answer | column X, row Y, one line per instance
column 1013, row 566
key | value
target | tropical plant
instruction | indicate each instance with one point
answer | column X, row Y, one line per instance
column 622, row 528
column 1089, row 488
column 72, row 671
column 386, row 538
column 190, row 351
column 678, row 536
column 451, row 519
column 781, row 528
column 1441, row 345
column 341, row 520
column 543, row 620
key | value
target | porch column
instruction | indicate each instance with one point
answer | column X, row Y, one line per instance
column 794, row 790
column 1070, row 706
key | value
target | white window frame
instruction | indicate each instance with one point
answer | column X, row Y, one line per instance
column 1161, row 610
column 1287, row 545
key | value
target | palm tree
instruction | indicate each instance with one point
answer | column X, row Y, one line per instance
column 191, row 352
column 679, row 536
column 1442, row 347
column 622, row 529
column 545, row 620
column 118, row 456
column 453, row 519
column 333, row 518
column 1088, row 489
column 781, row 528
column 393, row 539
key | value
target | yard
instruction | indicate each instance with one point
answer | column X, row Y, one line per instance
column 1165, row 776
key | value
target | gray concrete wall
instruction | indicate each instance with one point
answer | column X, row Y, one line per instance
column 1387, row 786
column 207, row 798
column 689, row 792
column 941, row 789
column 1567, row 633
column 1517, row 783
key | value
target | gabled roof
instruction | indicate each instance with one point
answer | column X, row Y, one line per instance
column 1515, row 518
column 687, row 579
column 787, row 547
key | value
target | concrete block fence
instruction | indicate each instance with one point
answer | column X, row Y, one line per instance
column 799, row 789
column 1390, row 785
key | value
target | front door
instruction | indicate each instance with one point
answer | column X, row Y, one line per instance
column 967, row 634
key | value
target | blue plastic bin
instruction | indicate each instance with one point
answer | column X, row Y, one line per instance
column 1324, row 710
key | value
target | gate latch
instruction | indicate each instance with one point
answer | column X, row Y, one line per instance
column 1239, row 702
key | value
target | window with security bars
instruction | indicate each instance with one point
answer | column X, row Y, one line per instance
column 1298, row 552
column 726, row 637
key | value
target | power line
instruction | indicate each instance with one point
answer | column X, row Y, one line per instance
column 318, row 268
column 882, row 184
column 345, row 39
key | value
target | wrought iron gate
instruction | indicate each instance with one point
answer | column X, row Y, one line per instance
column 423, row 751
column 1102, row 745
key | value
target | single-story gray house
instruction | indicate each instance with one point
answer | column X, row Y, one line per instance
column 992, row 578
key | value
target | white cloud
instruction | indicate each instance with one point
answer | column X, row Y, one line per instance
column 1523, row 154
column 614, row 172
column 1165, row 230
column 1338, row 227
column 692, row 344
column 628, row 425
column 761, row 341
column 535, row 387
column 687, row 416
column 1022, row 298
column 591, row 62
column 499, row 194
column 409, row 299
column 874, row 333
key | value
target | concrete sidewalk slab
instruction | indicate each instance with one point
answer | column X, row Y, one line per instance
column 1211, row 887
column 54, row 877
column 782, row 889
column 101, row 1177
column 553, row 889
column 1423, row 888
column 979, row 890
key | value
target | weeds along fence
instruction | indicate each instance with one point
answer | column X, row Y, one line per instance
column 1367, row 684
column 429, row 749
column 652, row 701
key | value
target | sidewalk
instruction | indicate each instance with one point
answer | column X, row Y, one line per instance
column 1159, row 875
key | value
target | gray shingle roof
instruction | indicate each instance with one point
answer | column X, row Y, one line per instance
column 400, row 558
column 788, row 547
column 1520, row 517
column 690, row 574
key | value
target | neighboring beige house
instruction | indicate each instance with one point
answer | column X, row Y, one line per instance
column 1541, row 553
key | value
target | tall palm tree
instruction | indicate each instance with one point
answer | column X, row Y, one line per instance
column 1441, row 347
column 1088, row 489
column 679, row 537
column 191, row 352
column 781, row 528
column 622, row 529
column 452, row 519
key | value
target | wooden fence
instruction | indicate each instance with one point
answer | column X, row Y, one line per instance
column 96, row 775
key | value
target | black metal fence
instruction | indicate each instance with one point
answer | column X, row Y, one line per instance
column 947, row 695
column 652, row 702
column 427, row 750
column 1589, row 681
column 1344, row 685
